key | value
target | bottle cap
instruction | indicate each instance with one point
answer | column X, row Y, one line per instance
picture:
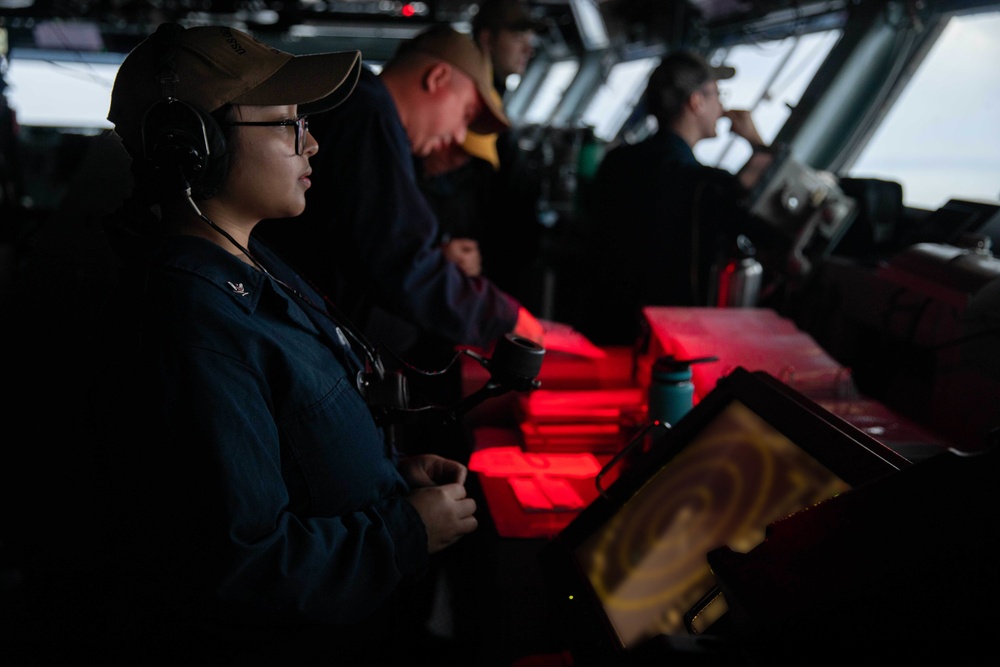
column 670, row 364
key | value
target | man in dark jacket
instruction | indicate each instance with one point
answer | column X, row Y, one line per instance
column 369, row 238
column 660, row 219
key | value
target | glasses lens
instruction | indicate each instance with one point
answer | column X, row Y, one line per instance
column 301, row 127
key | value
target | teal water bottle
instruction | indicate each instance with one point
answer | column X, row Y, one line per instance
column 671, row 392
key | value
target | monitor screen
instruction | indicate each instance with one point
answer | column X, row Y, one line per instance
column 633, row 565
column 647, row 563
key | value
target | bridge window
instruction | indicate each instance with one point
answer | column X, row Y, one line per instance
column 941, row 140
column 611, row 105
column 770, row 79
column 39, row 88
column 550, row 93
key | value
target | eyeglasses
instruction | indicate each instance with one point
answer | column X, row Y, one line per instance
column 301, row 127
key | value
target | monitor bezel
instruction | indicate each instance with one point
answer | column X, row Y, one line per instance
column 849, row 453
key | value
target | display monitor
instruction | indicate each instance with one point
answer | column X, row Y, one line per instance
column 632, row 566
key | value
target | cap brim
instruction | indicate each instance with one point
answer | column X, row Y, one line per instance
column 316, row 82
column 482, row 146
column 724, row 72
column 492, row 118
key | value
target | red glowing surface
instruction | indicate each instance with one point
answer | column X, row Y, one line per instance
column 595, row 405
column 507, row 461
column 754, row 338
column 599, row 421
column 532, row 494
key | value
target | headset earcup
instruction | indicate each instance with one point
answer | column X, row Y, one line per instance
column 185, row 148
column 214, row 172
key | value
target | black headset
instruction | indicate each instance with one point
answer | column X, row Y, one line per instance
column 183, row 145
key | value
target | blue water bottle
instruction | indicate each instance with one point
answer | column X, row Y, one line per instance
column 671, row 392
